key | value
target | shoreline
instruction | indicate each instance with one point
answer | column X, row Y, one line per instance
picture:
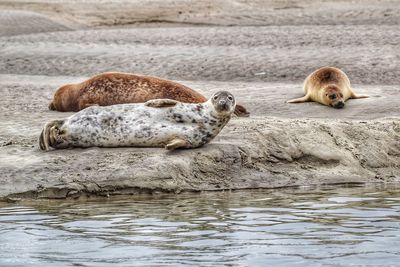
column 248, row 153
column 42, row 197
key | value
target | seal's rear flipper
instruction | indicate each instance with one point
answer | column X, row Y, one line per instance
column 161, row 103
column 241, row 111
column 49, row 135
column 303, row 99
column 176, row 143
column 43, row 139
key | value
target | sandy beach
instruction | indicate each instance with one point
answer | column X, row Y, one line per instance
column 261, row 51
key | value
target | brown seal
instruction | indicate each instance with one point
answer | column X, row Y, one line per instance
column 120, row 88
column 328, row 86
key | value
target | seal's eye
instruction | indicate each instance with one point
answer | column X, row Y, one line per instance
column 332, row 97
column 230, row 98
column 341, row 95
column 215, row 97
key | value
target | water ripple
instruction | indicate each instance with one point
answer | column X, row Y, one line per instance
column 328, row 226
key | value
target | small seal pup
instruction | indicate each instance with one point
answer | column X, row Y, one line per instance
column 156, row 123
column 113, row 88
column 328, row 86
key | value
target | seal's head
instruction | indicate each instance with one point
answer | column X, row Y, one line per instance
column 333, row 96
column 65, row 99
column 224, row 102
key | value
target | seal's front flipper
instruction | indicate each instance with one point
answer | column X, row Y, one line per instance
column 83, row 104
column 303, row 99
column 161, row 103
column 90, row 105
column 241, row 111
column 176, row 143
column 354, row 96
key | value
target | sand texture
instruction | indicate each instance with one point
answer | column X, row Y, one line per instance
column 261, row 51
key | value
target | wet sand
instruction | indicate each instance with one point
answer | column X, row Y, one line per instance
column 260, row 51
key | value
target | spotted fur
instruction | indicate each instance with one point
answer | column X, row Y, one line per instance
column 156, row 123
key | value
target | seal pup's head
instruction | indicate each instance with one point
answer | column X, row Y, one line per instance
column 223, row 102
column 333, row 96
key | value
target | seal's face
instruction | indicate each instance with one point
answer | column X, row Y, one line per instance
column 223, row 102
column 334, row 97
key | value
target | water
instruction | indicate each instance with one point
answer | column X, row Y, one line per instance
column 357, row 226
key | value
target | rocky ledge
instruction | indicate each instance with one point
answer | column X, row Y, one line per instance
column 249, row 153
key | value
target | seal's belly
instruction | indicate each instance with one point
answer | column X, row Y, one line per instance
column 144, row 135
column 138, row 126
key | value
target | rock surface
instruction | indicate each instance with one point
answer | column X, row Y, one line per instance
column 257, row 152
column 250, row 153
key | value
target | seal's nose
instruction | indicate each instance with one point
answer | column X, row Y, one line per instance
column 222, row 102
column 339, row 104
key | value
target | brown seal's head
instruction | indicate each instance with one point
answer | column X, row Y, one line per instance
column 65, row 99
column 224, row 103
column 333, row 96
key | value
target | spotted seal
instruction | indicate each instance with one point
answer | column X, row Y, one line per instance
column 328, row 86
column 113, row 88
column 156, row 123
